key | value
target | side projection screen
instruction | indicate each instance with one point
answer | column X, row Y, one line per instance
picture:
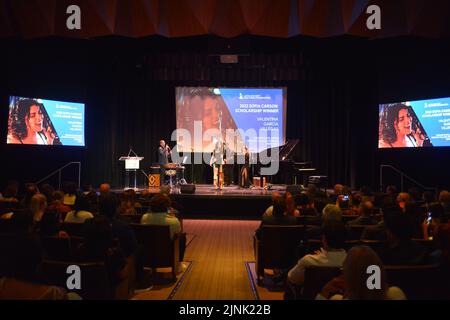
column 36, row 121
column 414, row 124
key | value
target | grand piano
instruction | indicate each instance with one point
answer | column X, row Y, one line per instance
column 290, row 171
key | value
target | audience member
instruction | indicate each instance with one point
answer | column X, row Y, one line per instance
column 58, row 205
column 38, row 205
column 331, row 254
column 403, row 199
column 365, row 215
column 269, row 210
column 352, row 285
column 305, row 205
column 120, row 229
column 47, row 190
column 10, row 194
column 128, row 203
column 104, row 189
column 291, row 206
column 159, row 206
column 70, row 193
column 50, row 224
column 400, row 249
column 98, row 245
column 21, row 279
column 80, row 212
column 30, row 190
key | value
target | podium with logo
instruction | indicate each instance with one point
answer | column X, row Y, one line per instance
column 131, row 167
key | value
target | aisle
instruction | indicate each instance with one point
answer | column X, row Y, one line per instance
column 218, row 251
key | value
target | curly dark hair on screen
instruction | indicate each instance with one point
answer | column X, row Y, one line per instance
column 390, row 117
column 16, row 124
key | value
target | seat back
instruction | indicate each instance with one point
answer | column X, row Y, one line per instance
column 57, row 248
column 354, row 231
column 159, row 250
column 418, row 282
column 279, row 245
column 346, row 218
column 6, row 226
column 131, row 218
column 95, row 284
column 316, row 278
column 376, row 245
column 73, row 229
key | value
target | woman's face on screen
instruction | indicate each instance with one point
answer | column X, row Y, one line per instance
column 403, row 124
column 34, row 119
column 210, row 114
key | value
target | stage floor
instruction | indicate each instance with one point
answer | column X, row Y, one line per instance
column 208, row 190
column 231, row 202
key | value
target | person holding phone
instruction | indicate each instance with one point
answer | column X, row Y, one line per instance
column 398, row 128
column 28, row 125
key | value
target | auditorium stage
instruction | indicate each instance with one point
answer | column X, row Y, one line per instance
column 231, row 202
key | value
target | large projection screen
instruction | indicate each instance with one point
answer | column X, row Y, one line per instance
column 242, row 117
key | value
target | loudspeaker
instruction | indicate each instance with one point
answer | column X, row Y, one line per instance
column 187, row 188
column 294, row 189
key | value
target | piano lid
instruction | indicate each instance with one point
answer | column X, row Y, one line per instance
column 287, row 149
column 284, row 150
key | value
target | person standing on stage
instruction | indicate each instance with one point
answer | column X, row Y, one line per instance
column 244, row 179
column 217, row 162
column 163, row 158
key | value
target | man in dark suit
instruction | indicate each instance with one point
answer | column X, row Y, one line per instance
column 163, row 158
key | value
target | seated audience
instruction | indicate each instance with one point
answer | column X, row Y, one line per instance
column 10, row 194
column 120, row 229
column 50, row 225
column 21, row 280
column 159, row 206
column 291, row 206
column 80, row 212
column 331, row 212
column 104, row 189
column 400, row 249
column 30, row 190
column 128, row 203
column 337, row 190
column 278, row 216
column 99, row 245
column 305, row 205
column 352, row 285
column 331, row 254
column 58, row 205
column 403, row 199
column 38, row 205
column 365, row 215
column 47, row 190
column 444, row 200
column 70, row 193
column 268, row 212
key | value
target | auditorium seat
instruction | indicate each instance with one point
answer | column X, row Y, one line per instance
column 131, row 218
column 315, row 279
column 418, row 282
column 57, row 248
column 74, row 229
column 347, row 218
column 159, row 250
column 354, row 231
column 95, row 284
column 277, row 247
column 6, row 226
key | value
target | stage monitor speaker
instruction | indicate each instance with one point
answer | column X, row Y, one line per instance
column 294, row 189
column 187, row 188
